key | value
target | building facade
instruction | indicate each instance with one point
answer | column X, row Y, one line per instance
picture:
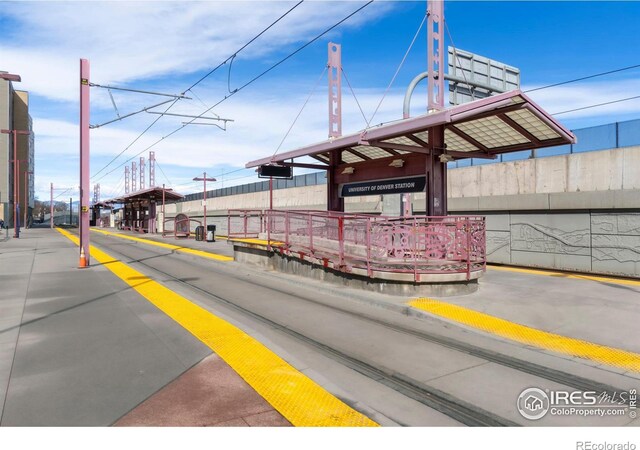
column 14, row 115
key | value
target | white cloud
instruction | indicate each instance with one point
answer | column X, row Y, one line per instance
column 574, row 96
column 137, row 40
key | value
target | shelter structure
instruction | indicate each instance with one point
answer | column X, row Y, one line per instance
column 411, row 155
column 404, row 156
column 140, row 207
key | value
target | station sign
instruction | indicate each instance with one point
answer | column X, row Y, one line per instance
column 389, row 186
column 274, row 171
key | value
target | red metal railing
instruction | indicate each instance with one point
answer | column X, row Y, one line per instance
column 181, row 226
column 416, row 244
column 245, row 223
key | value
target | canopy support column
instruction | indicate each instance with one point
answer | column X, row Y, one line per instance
column 334, row 201
column 436, row 174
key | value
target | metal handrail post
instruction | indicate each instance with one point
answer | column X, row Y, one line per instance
column 415, row 250
column 286, row 229
column 468, row 226
column 310, row 231
column 268, row 220
column 341, row 239
column 368, row 241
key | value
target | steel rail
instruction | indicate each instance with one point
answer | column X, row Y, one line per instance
column 441, row 401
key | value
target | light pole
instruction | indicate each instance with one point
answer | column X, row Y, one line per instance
column 16, row 219
column 26, row 195
column 51, row 208
column 204, row 201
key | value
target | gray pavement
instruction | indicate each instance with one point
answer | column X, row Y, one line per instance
column 88, row 349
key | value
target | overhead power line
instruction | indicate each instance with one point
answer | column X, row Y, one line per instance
column 198, row 82
column 584, row 78
column 596, row 105
column 248, row 83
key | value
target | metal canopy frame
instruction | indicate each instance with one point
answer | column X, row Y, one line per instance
column 152, row 193
column 504, row 123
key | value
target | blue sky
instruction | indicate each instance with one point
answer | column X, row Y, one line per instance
column 166, row 46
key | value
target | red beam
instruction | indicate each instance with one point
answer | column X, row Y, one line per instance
column 379, row 169
column 406, row 148
column 307, row 166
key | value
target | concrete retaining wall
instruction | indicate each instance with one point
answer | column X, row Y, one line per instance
column 586, row 242
column 578, row 211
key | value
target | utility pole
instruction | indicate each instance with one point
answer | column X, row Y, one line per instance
column 70, row 210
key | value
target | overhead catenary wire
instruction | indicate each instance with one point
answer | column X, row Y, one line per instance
column 313, row 90
column 584, row 78
column 133, row 142
column 397, row 70
column 248, row 83
column 282, row 16
column 458, row 58
column 354, row 95
column 163, row 174
column 596, row 105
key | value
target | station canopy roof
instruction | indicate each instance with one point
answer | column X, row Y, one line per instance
column 152, row 193
column 502, row 123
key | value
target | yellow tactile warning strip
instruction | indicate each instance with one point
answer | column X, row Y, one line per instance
column 190, row 251
column 299, row 399
column 530, row 336
column 552, row 273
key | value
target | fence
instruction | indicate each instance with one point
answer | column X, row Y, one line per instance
column 416, row 245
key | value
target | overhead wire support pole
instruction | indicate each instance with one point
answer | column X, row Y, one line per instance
column 435, row 55
column 248, row 83
column 83, row 212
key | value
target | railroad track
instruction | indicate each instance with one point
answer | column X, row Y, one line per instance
column 441, row 401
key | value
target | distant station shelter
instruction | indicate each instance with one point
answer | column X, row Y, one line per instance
column 411, row 155
column 140, row 208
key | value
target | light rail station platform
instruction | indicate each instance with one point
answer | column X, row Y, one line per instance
column 155, row 335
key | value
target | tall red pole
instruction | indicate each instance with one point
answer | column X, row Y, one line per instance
column 84, row 161
column 270, row 192
column 204, row 203
column 16, row 187
column 163, row 218
column 26, row 196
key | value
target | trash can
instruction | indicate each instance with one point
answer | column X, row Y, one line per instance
column 199, row 233
column 211, row 233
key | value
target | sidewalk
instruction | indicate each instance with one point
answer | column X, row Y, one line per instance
column 79, row 347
